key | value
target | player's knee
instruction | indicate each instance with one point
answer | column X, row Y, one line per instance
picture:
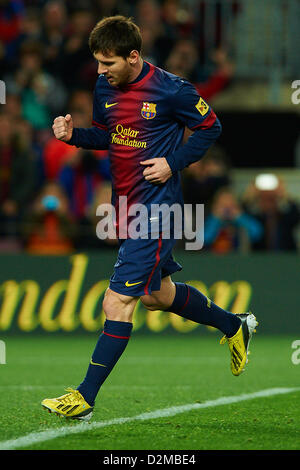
column 118, row 307
column 150, row 302
column 110, row 306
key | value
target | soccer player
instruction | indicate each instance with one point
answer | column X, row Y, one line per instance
column 139, row 114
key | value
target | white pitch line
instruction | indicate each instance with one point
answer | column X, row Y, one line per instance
column 42, row 436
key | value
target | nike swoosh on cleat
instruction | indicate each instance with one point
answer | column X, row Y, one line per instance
column 109, row 105
column 129, row 284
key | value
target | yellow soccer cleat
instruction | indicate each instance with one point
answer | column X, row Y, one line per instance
column 239, row 343
column 71, row 405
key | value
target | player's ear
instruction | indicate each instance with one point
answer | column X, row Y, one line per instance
column 133, row 57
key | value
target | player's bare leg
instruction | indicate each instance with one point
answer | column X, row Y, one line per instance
column 118, row 307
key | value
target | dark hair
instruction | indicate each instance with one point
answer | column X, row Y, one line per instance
column 115, row 34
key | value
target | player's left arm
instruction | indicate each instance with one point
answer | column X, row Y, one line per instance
column 192, row 111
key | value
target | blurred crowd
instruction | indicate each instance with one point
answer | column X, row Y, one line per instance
column 263, row 218
column 49, row 191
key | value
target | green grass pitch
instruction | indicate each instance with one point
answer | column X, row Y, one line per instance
column 155, row 372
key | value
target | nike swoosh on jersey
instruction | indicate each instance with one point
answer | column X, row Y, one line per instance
column 96, row 364
column 110, row 104
column 129, row 284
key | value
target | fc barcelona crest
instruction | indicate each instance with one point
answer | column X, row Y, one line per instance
column 148, row 110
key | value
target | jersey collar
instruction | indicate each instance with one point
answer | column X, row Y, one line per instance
column 138, row 83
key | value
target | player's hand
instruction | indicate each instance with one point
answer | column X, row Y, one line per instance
column 63, row 127
column 157, row 170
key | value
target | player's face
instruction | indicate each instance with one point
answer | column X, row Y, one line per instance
column 117, row 70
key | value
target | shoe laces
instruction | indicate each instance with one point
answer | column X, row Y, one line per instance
column 71, row 396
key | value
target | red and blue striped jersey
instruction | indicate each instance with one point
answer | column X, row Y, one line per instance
column 144, row 120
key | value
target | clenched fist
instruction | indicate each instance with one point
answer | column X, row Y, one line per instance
column 63, row 127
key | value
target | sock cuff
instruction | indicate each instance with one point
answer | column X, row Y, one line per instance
column 181, row 298
column 117, row 329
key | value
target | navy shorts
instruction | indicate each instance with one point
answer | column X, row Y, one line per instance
column 141, row 265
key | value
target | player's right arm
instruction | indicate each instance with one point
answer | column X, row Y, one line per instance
column 93, row 138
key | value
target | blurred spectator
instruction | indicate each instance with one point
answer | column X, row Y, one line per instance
column 81, row 175
column 228, row 228
column 156, row 42
column 13, row 109
column 210, row 17
column 177, row 18
column 78, row 67
column 13, row 106
column 48, row 228
column 42, row 95
column 81, row 100
column 148, row 14
column 26, row 138
column 54, row 22
column 104, row 8
column 90, row 237
column 17, row 174
column 31, row 25
column 183, row 61
column 221, row 76
column 55, row 154
column 269, row 202
column 11, row 14
column 204, row 178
